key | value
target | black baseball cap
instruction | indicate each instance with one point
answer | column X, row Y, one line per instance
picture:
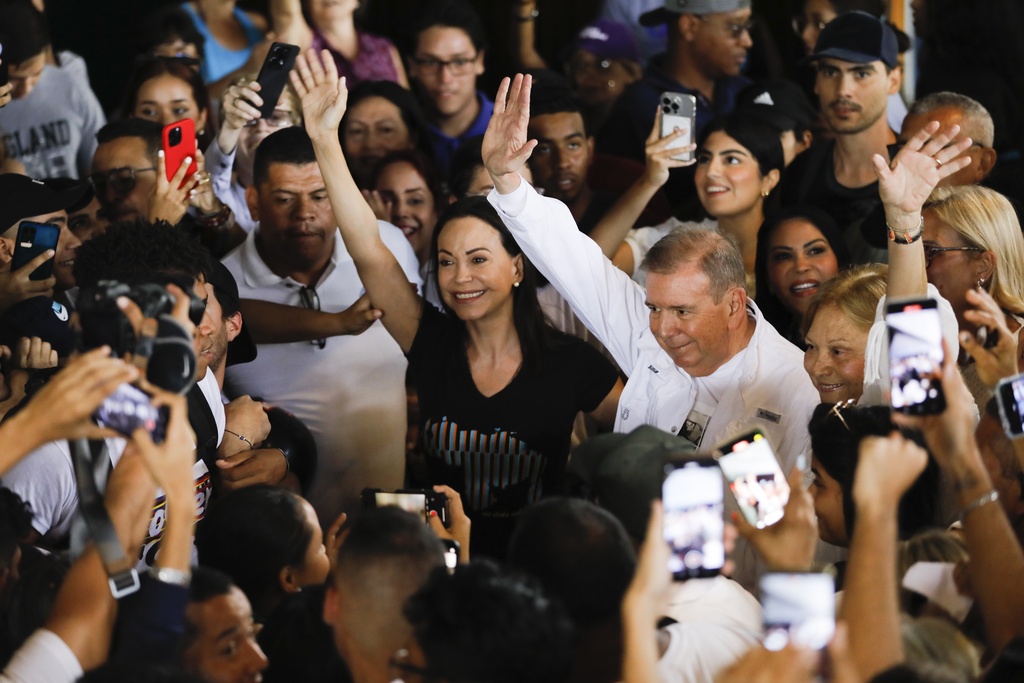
column 780, row 103
column 625, row 471
column 24, row 197
column 857, row 37
column 38, row 316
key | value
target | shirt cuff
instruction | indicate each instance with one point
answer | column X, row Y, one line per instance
column 513, row 203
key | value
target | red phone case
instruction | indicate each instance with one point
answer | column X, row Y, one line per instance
column 179, row 141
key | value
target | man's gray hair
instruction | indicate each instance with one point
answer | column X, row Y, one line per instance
column 716, row 255
column 977, row 121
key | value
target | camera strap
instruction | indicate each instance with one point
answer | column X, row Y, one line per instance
column 87, row 456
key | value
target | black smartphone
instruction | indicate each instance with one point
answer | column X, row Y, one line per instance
column 694, row 528
column 274, row 75
column 32, row 240
column 5, row 72
column 418, row 501
column 915, row 357
column 755, row 478
column 799, row 608
column 1010, row 399
column 129, row 408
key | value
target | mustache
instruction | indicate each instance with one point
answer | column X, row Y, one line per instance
column 846, row 104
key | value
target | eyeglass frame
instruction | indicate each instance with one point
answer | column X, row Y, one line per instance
column 735, row 30
column 837, row 409
column 574, row 67
column 456, row 67
column 107, row 175
column 800, row 22
column 311, row 300
column 930, row 252
column 288, row 117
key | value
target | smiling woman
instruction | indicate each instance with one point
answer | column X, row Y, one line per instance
column 165, row 90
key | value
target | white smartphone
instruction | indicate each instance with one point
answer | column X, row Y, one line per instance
column 678, row 111
column 693, row 526
column 755, row 478
column 915, row 357
column 799, row 608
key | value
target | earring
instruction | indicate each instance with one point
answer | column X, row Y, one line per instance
column 611, row 84
column 981, row 283
column 766, row 193
column 515, row 284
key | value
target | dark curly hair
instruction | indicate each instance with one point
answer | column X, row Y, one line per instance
column 134, row 252
column 486, row 624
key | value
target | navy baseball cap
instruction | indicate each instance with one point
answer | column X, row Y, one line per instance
column 673, row 8
column 780, row 103
column 24, row 197
column 857, row 37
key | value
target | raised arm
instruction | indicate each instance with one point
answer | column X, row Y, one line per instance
column 324, row 97
column 506, row 147
column 289, row 24
column 612, row 229
column 904, row 187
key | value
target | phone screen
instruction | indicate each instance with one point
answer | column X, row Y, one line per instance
column 755, row 478
column 798, row 608
column 694, row 527
column 129, row 408
column 915, row 357
column 410, row 502
column 1010, row 397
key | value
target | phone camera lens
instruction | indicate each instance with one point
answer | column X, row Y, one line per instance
column 174, row 137
column 666, row 101
column 675, row 106
column 30, row 234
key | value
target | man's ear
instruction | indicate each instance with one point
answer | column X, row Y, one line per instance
column 688, row 25
column 252, row 198
column 987, row 156
column 233, row 326
column 737, row 304
column 895, row 80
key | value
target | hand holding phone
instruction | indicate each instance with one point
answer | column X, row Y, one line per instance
column 694, row 528
column 130, row 408
column 915, row 357
column 32, row 240
column 273, row 75
column 678, row 112
column 755, row 478
column 418, row 501
column 1010, row 399
column 179, row 143
column 798, row 608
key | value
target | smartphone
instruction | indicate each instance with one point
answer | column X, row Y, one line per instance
column 418, row 501
column 678, row 111
column 273, row 75
column 755, row 478
column 798, row 608
column 4, row 70
column 694, row 528
column 1010, row 399
column 129, row 408
column 179, row 141
column 32, row 240
column 915, row 357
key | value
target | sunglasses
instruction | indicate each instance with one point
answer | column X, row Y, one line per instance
column 311, row 300
column 121, row 180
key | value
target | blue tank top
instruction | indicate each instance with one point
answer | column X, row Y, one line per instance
column 218, row 61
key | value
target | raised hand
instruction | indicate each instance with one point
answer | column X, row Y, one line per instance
column 886, row 468
column 505, row 146
column 15, row 285
column 458, row 525
column 1001, row 359
column 170, row 198
column 359, row 317
column 905, row 184
column 32, row 353
column 239, row 105
column 324, row 95
column 659, row 157
column 789, row 544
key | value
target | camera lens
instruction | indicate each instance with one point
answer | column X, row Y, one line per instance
column 675, row 106
column 666, row 101
column 174, row 137
column 30, row 234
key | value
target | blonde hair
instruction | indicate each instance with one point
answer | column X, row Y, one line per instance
column 986, row 219
column 934, row 642
column 933, row 545
column 855, row 292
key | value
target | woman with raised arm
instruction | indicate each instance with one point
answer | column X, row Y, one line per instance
column 498, row 388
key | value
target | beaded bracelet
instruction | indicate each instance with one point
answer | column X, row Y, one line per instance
column 905, row 236
column 981, row 501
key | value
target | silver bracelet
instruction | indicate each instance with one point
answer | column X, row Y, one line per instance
column 981, row 501
column 175, row 577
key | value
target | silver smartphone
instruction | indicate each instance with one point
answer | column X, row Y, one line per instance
column 678, row 111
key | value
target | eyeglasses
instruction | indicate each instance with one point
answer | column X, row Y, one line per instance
column 931, row 252
column 311, row 300
column 280, row 118
column 460, row 66
column 122, row 180
column 401, row 667
column 841, row 406
column 734, row 30
column 800, row 23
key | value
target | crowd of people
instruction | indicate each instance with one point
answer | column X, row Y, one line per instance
column 517, row 314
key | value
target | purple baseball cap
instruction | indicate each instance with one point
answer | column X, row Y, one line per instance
column 608, row 40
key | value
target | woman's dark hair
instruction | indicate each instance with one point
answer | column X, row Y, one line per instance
column 760, row 139
column 487, row 624
column 421, row 163
column 252, row 534
column 408, row 107
column 466, row 160
column 835, row 442
column 534, row 332
column 152, row 67
column 771, row 307
column 166, row 25
column 298, row 643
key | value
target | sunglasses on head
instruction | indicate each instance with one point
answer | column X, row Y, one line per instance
column 121, row 180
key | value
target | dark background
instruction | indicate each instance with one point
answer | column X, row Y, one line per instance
column 102, row 31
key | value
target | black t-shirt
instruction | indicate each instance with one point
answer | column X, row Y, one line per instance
column 811, row 179
column 508, row 450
